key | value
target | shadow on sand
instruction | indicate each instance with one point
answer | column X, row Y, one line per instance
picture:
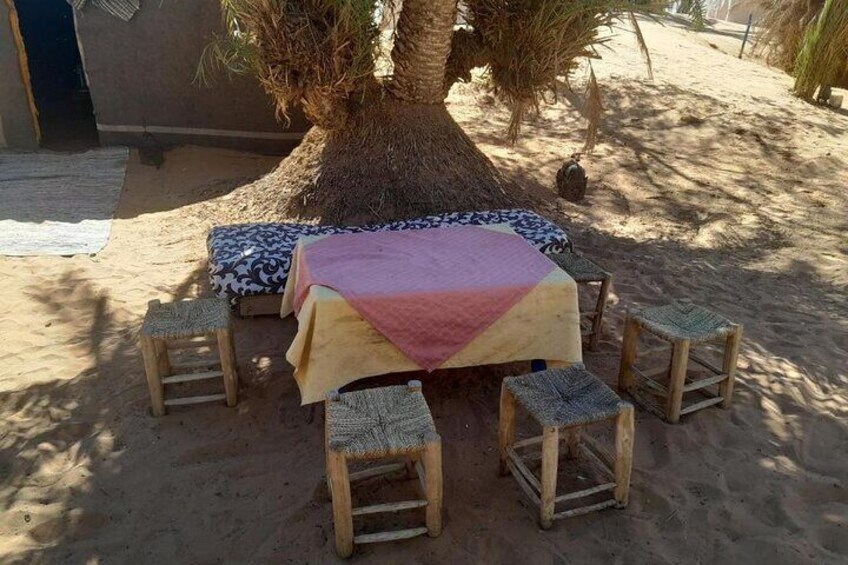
column 211, row 484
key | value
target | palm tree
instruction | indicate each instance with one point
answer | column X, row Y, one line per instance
column 697, row 10
column 809, row 39
column 782, row 29
column 383, row 145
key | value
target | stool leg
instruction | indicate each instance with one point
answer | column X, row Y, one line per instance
column 572, row 438
column 154, row 379
column 342, row 508
column 433, row 484
column 411, row 473
column 624, row 431
column 598, row 319
column 628, row 354
column 327, row 447
column 676, row 381
column 506, row 427
column 550, row 462
column 228, row 365
column 162, row 359
column 731, row 353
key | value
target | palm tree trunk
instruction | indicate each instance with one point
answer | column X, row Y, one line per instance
column 422, row 45
column 398, row 156
column 395, row 160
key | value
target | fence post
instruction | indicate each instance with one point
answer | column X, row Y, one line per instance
column 747, row 31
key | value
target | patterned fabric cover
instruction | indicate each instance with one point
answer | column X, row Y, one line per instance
column 254, row 259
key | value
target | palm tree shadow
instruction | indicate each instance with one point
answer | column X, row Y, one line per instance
column 101, row 479
column 87, row 468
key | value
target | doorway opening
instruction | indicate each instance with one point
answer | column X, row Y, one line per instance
column 57, row 78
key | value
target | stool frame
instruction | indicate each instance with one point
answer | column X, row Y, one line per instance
column 677, row 371
column 424, row 463
column 160, row 371
column 596, row 317
column 601, row 278
column 542, row 490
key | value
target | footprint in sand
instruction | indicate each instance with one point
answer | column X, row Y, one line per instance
column 76, row 523
column 833, row 537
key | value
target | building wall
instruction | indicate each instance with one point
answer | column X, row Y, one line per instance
column 16, row 125
column 734, row 10
column 141, row 78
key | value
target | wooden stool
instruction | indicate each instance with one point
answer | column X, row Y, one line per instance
column 172, row 327
column 565, row 400
column 585, row 272
column 681, row 324
column 381, row 423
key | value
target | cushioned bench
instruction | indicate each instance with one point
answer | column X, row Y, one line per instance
column 249, row 263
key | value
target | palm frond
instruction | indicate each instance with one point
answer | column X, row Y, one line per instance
column 697, row 11
column 315, row 53
column 782, row 29
column 808, row 39
column 530, row 44
column 823, row 59
column 594, row 110
column 640, row 42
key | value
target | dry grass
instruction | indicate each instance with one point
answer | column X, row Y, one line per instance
column 396, row 161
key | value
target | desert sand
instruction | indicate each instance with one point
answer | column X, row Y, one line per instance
column 710, row 182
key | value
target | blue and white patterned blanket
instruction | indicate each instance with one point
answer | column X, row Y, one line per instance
column 254, row 259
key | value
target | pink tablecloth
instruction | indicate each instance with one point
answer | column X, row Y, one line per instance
column 430, row 292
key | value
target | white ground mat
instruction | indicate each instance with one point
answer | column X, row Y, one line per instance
column 59, row 203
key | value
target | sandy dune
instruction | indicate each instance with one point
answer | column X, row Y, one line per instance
column 711, row 182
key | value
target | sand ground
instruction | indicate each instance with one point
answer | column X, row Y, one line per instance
column 711, row 182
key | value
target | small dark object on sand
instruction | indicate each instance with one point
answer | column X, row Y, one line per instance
column 571, row 180
column 151, row 152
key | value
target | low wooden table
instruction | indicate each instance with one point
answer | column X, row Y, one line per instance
column 335, row 345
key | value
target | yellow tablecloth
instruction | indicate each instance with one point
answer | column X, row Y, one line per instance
column 335, row 346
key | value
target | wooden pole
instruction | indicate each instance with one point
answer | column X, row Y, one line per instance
column 747, row 31
column 23, row 65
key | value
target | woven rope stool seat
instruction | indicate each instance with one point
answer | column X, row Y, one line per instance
column 588, row 273
column 564, row 402
column 382, row 423
column 684, row 321
column 177, row 326
column 187, row 318
column 564, row 397
column 579, row 268
column 680, row 324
